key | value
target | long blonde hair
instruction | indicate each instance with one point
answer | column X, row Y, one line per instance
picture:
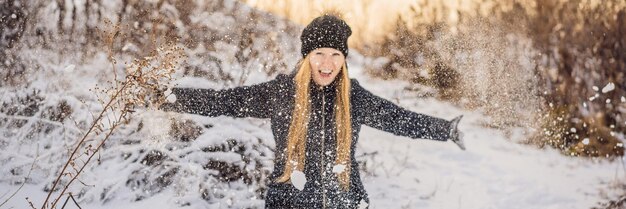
column 296, row 144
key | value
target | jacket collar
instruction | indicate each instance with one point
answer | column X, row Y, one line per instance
column 314, row 87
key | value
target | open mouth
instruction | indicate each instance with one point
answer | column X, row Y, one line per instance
column 325, row 73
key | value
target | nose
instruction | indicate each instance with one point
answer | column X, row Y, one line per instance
column 327, row 63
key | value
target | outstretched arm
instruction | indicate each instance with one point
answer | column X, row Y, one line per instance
column 245, row 101
column 384, row 115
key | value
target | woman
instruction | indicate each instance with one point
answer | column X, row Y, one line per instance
column 316, row 114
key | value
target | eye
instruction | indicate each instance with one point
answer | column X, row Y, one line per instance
column 336, row 54
column 318, row 53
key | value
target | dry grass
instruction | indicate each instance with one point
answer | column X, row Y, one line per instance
column 143, row 79
column 529, row 64
column 583, row 42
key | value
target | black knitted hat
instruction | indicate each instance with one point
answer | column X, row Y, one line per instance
column 326, row 31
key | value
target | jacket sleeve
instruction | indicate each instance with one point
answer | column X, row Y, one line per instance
column 246, row 101
column 382, row 114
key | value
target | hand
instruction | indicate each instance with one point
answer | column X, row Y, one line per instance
column 456, row 136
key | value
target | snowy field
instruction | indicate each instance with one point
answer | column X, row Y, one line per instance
column 145, row 165
column 494, row 172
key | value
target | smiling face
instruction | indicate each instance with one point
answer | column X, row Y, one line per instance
column 325, row 64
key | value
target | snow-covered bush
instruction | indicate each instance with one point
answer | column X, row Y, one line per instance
column 548, row 67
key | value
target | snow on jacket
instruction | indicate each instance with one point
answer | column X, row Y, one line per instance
column 274, row 100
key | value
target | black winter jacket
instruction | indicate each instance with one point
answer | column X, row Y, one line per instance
column 274, row 100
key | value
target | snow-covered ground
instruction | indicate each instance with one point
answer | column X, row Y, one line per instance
column 135, row 167
column 494, row 171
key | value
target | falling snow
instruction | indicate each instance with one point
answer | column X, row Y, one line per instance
column 609, row 87
column 171, row 98
column 69, row 68
column 595, row 88
column 585, row 141
column 168, row 160
column 363, row 204
column 298, row 179
column 338, row 168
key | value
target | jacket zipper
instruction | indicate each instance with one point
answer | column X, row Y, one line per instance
column 323, row 149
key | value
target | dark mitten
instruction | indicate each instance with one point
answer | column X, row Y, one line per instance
column 456, row 136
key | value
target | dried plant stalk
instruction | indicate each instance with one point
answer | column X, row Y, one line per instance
column 32, row 166
column 145, row 79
